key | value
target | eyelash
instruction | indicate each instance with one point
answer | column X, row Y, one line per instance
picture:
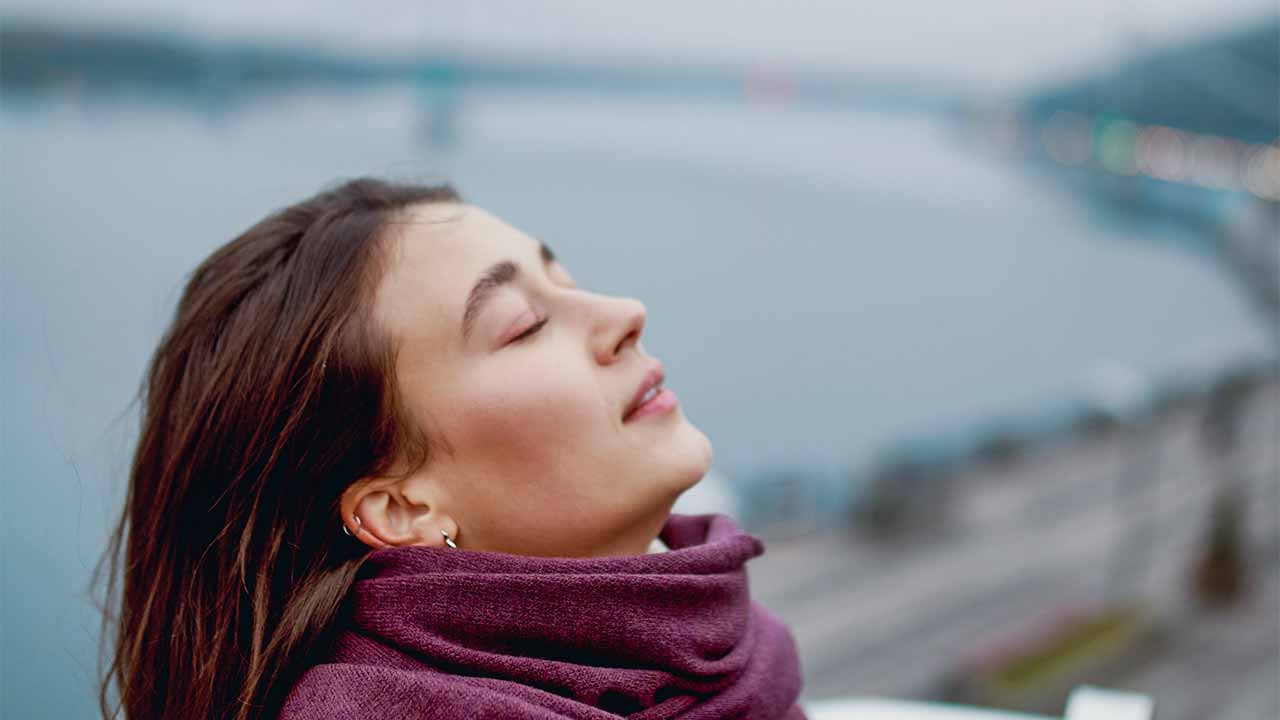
column 532, row 329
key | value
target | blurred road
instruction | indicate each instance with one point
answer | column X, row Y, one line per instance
column 1103, row 519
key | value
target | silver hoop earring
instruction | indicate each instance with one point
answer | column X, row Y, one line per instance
column 448, row 540
column 348, row 532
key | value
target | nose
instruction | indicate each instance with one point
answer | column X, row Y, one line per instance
column 619, row 322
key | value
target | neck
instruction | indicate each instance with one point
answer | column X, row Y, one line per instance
column 636, row 539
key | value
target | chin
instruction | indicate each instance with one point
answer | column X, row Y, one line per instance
column 695, row 456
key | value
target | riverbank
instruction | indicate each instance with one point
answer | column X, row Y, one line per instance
column 1111, row 516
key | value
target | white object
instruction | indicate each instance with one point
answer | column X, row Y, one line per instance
column 1091, row 703
column 1085, row 703
column 846, row 708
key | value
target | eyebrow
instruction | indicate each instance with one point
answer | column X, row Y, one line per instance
column 500, row 273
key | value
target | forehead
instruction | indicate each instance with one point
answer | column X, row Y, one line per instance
column 435, row 252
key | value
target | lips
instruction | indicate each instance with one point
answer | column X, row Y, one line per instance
column 652, row 378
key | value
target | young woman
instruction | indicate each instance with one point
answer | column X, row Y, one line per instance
column 395, row 463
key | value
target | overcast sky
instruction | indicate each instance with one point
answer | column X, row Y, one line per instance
column 987, row 45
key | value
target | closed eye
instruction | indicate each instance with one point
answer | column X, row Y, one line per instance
column 532, row 329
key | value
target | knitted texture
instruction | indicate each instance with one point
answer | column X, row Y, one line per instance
column 452, row 633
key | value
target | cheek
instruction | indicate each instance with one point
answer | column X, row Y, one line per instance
column 532, row 414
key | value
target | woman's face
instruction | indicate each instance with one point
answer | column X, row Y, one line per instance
column 520, row 380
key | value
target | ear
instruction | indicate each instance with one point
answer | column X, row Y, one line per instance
column 397, row 512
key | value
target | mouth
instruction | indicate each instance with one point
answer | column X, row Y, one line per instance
column 649, row 387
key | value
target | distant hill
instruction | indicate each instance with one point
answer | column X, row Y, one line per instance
column 36, row 56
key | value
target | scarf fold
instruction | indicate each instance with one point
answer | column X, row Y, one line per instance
column 440, row 632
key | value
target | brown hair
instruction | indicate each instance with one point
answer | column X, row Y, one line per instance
column 270, row 393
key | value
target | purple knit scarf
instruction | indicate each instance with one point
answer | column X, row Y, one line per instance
column 454, row 633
